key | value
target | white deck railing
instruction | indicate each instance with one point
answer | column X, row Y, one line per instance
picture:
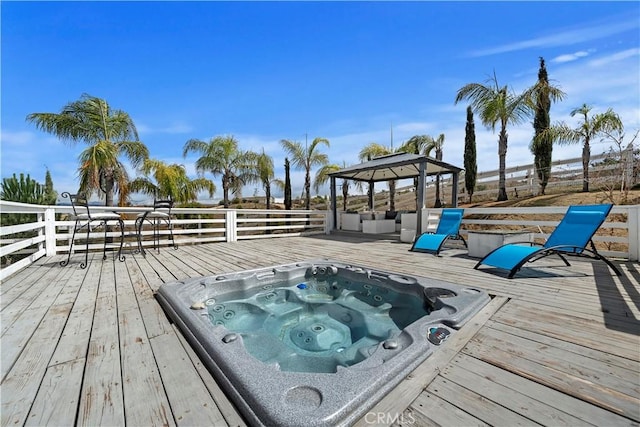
column 50, row 233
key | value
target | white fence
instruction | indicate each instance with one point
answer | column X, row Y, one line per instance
column 50, row 234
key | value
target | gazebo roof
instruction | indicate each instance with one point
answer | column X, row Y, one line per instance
column 394, row 166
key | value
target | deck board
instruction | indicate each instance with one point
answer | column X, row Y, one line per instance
column 102, row 399
column 475, row 404
column 587, row 331
column 601, row 355
column 74, row 341
column 93, row 347
column 59, row 391
column 22, row 321
column 21, row 384
column 191, row 402
column 573, row 410
column 541, row 412
column 431, row 410
column 532, row 362
column 228, row 411
column 144, row 281
column 34, row 299
column 140, row 376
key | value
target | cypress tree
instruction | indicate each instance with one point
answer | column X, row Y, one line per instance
column 470, row 165
column 51, row 196
column 287, row 185
column 542, row 145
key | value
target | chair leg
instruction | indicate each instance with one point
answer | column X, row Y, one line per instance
column 63, row 263
column 158, row 225
column 563, row 258
column 86, row 252
column 610, row 264
column 120, row 256
column 104, row 248
column 156, row 234
column 173, row 242
column 598, row 256
column 139, row 223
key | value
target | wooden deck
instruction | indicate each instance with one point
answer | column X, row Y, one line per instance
column 556, row 346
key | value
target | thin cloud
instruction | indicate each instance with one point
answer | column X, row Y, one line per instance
column 20, row 138
column 563, row 38
column 571, row 56
column 618, row 56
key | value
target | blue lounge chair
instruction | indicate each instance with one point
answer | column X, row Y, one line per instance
column 570, row 237
column 448, row 228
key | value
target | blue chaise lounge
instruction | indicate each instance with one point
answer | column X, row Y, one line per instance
column 570, row 237
column 448, row 228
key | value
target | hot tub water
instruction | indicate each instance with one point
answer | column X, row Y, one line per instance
column 316, row 325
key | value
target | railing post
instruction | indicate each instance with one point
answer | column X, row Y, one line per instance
column 532, row 181
column 328, row 221
column 50, row 231
column 633, row 228
column 40, row 218
column 231, row 225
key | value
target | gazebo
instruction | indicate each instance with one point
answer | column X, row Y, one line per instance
column 396, row 166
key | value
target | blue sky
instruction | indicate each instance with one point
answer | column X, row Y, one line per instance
column 265, row 71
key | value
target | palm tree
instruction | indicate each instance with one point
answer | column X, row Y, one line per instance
column 588, row 128
column 372, row 151
column 267, row 176
column 171, row 181
column 322, row 176
column 418, row 144
column 497, row 104
column 305, row 158
column 221, row 156
column 110, row 135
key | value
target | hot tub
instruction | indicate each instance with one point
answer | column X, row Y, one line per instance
column 315, row 343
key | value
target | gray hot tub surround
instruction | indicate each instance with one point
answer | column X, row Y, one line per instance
column 315, row 343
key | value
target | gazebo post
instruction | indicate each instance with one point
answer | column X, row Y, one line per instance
column 371, row 190
column 422, row 171
column 454, row 190
column 334, row 203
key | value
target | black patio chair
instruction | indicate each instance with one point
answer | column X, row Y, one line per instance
column 85, row 218
column 160, row 214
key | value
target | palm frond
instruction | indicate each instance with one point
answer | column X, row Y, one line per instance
column 373, row 150
column 296, row 152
